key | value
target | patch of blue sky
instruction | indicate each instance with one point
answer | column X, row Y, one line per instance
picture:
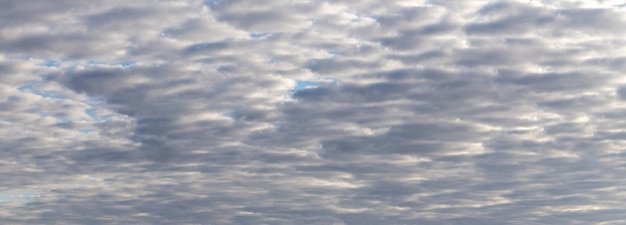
column 165, row 34
column 334, row 52
column 92, row 62
column 91, row 112
column 229, row 115
column 86, row 130
column 257, row 35
column 19, row 196
column 32, row 88
column 47, row 94
column 278, row 126
column 95, row 100
column 274, row 60
column 51, row 63
column 98, row 119
column 316, row 83
column 263, row 35
column 26, row 87
column 210, row 45
column 213, row 3
column 126, row 63
column 224, row 69
column 63, row 120
column 303, row 85
column 200, row 45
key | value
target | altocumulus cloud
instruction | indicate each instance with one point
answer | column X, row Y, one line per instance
column 312, row 112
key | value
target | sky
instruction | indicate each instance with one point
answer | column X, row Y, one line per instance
column 313, row 112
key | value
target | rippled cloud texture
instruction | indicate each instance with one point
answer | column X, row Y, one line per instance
column 312, row 112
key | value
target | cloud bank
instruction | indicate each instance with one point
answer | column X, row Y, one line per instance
column 312, row 112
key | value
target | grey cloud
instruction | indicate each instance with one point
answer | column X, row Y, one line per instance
column 423, row 112
column 554, row 81
column 514, row 17
column 511, row 17
column 621, row 91
column 594, row 20
column 372, row 92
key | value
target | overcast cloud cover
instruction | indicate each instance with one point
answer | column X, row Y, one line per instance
column 313, row 112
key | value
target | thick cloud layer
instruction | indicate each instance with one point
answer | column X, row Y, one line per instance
column 312, row 112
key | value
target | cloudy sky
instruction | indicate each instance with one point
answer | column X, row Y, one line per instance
column 336, row 112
